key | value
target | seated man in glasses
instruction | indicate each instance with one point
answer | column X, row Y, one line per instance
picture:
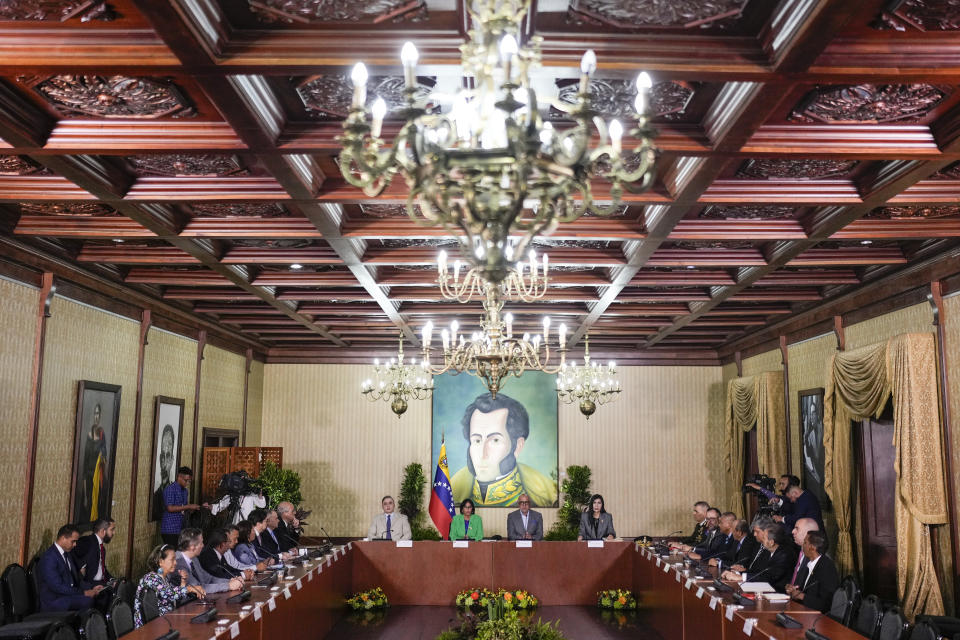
column 524, row 523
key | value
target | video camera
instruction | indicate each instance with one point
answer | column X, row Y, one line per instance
column 761, row 479
column 236, row 483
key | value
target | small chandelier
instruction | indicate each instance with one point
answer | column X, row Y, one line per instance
column 591, row 384
column 493, row 353
column 396, row 382
column 486, row 165
column 526, row 287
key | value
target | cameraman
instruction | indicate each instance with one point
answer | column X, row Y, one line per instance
column 238, row 496
column 780, row 503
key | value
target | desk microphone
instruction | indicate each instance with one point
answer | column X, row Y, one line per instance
column 171, row 634
column 325, row 533
column 812, row 633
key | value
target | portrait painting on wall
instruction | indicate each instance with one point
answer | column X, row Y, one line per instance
column 94, row 452
column 167, row 430
column 498, row 447
column 811, row 424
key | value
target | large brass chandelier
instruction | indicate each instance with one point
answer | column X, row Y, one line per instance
column 486, row 165
column 397, row 381
column 589, row 385
column 493, row 353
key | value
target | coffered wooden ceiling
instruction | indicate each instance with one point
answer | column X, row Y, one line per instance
column 186, row 150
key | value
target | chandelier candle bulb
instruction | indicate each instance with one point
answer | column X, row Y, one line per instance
column 409, row 56
column 359, row 76
column 533, row 263
column 456, row 272
column 508, row 49
column 445, row 339
column 616, row 136
column 588, row 64
column 643, row 86
column 562, row 335
column 509, row 319
column 378, row 111
column 545, row 265
column 442, row 262
column 427, row 334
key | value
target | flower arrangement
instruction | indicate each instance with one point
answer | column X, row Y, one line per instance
column 372, row 599
column 512, row 599
column 616, row 599
column 518, row 599
column 510, row 625
column 476, row 598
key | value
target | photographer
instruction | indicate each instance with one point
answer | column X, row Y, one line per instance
column 778, row 503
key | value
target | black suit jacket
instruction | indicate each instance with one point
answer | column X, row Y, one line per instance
column 741, row 552
column 270, row 545
column 713, row 547
column 778, row 569
column 216, row 566
column 806, row 506
column 86, row 556
column 287, row 536
column 818, row 593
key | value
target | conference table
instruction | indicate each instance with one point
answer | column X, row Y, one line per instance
column 676, row 602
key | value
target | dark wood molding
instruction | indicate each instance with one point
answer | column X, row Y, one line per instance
column 785, row 361
column 738, row 358
column 940, row 320
column 839, row 333
column 145, row 324
column 201, row 346
column 246, row 395
column 47, row 291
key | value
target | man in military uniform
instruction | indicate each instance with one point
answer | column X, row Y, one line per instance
column 496, row 429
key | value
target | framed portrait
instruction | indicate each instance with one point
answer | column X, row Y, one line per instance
column 167, row 432
column 811, row 425
column 498, row 447
column 94, row 451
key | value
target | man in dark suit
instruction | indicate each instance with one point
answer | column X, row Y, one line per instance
column 90, row 554
column 190, row 547
column 269, row 538
column 741, row 550
column 287, row 533
column 258, row 518
column 720, row 541
column 805, row 505
column 213, row 558
column 60, row 587
column 819, row 578
column 524, row 523
column 800, row 531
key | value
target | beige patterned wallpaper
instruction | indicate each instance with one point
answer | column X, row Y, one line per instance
column 18, row 329
column 221, row 390
column 169, row 369
column 766, row 361
column 952, row 348
column 351, row 452
column 83, row 343
column 917, row 318
column 254, row 404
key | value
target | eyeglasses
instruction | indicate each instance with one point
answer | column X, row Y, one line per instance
column 523, row 502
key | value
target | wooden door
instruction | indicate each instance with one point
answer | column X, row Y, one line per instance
column 878, row 483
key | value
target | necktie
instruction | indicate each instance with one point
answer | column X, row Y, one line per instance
column 103, row 562
column 389, row 535
column 796, row 569
column 69, row 568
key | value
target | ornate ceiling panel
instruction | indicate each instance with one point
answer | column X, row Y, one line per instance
column 920, row 15
column 634, row 14
column 800, row 169
column 869, row 103
column 56, row 10
column 238, row 210
column 913, row 213
column 331, row 96
column 21, row 166
column 112, row 96
column 614, row 98
column 84, row 209
column 747, row 212
column 183, row 164
column 324, row 11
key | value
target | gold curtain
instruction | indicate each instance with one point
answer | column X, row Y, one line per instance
column 858, row 385
column 754, row 400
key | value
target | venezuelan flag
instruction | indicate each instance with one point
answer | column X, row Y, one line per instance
column 441, row 498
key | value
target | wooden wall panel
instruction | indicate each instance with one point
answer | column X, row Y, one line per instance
column 83, row 343
column 221, row 390
column 351, row 452
column 168, row 370
column 952, row 345
column 18, row 329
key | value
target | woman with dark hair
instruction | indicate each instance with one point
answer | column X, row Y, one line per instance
column 595, row 522
column 466, row 525
column 162, row 563
column 245, row 552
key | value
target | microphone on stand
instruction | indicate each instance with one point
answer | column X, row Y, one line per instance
column 171, row 634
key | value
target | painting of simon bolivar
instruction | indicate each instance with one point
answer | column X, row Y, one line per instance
column 498, row 447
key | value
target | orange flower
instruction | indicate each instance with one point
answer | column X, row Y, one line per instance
column 622, row 600
column 475, row 595
column 364, row 597
column 508, row 596
column 521, row 596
